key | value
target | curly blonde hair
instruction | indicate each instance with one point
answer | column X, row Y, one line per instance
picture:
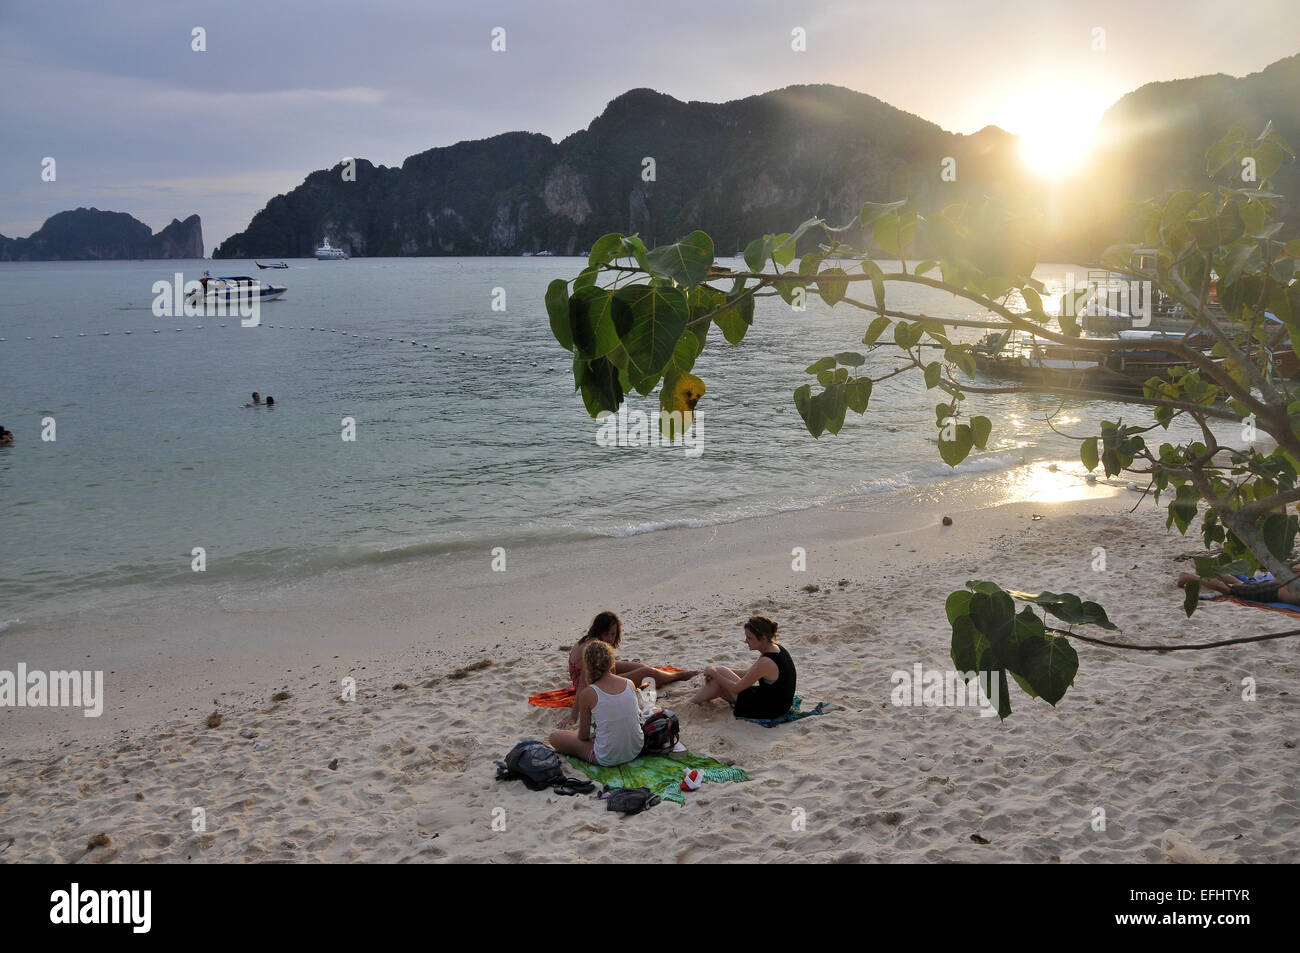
column 597, row 659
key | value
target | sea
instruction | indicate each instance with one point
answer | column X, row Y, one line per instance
column 136, row 459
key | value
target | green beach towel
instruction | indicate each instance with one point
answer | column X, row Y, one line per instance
column 659, row 773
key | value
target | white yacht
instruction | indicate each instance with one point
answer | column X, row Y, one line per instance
column 328, row 252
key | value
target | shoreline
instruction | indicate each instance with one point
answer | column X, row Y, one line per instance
column 1181, row 767
column 157, row 654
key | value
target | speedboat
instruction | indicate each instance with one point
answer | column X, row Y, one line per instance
column 233, row 290
column 328, row 252
column 274, row 264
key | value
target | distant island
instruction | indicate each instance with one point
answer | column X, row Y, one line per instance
column 755, row 165
column 87, row 234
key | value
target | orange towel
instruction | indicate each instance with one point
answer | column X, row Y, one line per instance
column 1252, row 604
column 563, row 697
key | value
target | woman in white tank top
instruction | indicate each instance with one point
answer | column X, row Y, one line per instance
column 609, row 716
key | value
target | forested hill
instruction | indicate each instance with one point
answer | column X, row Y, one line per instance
column 761, row 164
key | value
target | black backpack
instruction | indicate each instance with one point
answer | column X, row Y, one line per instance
column 539, row 767
column 661, row 733
column 628, row 800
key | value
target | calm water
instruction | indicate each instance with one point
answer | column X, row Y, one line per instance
column 475, row 440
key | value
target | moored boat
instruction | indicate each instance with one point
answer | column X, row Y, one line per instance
column 328, row 252
column 1065, row 367
column 274, row 264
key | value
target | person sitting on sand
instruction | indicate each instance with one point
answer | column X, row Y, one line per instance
column 1264, row 590
column 608, row 628
column 766, row 690
column 609, row 714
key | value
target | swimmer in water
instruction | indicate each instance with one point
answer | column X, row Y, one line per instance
column 6, row 437
column 257, row 399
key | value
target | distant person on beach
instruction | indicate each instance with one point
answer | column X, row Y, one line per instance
column 766, row 689
column 257, row 399
column 608, row 628
column 6, row 437
column 1262, row 590
column 609, row 713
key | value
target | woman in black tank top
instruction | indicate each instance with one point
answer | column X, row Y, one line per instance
column 766, row 689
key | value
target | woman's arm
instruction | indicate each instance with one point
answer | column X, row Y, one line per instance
column 585, row 702
column 763, row 668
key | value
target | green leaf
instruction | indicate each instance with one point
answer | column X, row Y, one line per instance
column 895, row 232
column 933, row 374
column 810, row 410
column 955, row 451
column 600, row 387
column 874, row 210
column 877, row 283
column 605, row 249
column 659, row 316
column 821, row 364
column 557, row 307
column 1191, row 596
column 733, row 325
column 1067, row 607
column 924, row 266
column 686, row 350
column 1047, row 662
column 850, row 359
column 757, row 252
column 857, row 393
column 980, row 428
column 1088, row 453
column 783, row 249
column 875, row 329
column 687, row 262
column 832, row 291
column 834, row 404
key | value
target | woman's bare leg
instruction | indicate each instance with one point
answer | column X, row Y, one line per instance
column 567, row 742
column 1219, row 585
column 637, row 673
column 719, row 682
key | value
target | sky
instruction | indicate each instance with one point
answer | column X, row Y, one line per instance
column 139, row 121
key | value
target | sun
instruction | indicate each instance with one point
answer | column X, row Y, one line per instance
column 1055, row 124
column 1053, row 151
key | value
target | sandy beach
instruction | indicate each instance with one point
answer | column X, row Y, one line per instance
column 1161, row 744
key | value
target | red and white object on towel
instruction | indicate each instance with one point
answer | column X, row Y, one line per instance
column 692, row 780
